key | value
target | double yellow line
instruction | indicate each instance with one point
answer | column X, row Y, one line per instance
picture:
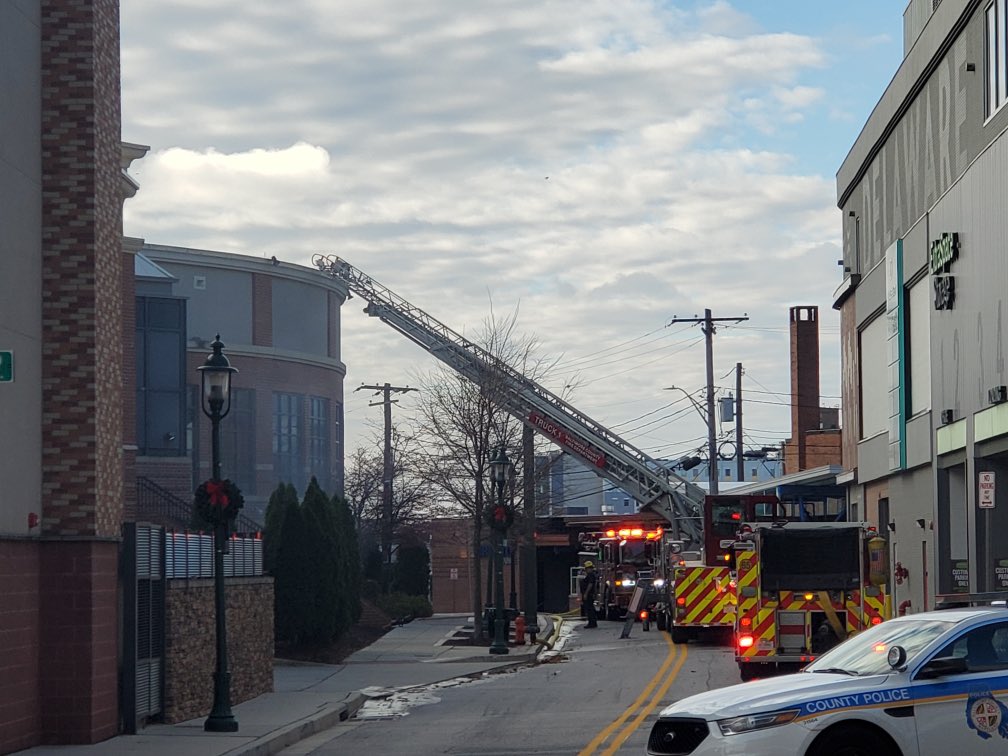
column 656, row 690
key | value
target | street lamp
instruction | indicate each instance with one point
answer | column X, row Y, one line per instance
column 500, row 521
column 215, row 376
column 708, row 417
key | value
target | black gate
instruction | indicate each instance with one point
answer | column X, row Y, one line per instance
column 143, row 593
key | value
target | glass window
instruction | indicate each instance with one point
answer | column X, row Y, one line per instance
column 874, row 379
column 238, row 441
column 984, row 648
column 997, row 66
column 160, row 376
column 318, row 441
column 287, row 466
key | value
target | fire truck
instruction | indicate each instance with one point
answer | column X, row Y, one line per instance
column 627, row 557
column 802, row 588
column 703, row 595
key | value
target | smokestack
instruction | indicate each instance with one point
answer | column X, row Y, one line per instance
column 804, row 377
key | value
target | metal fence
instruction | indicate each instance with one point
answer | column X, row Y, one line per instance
column 190, row 555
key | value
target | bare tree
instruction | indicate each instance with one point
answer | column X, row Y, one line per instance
column 460, row 424
column 412, row 494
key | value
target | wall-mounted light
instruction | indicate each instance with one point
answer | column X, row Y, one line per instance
column 920, row 523
column 850, row 213
column 971, row 66
column 997, row 395
column 891, row 526
column 947, row 416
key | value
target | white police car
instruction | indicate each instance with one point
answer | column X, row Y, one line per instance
column 929, row 684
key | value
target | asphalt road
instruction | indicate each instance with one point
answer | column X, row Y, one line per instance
column 594, row 694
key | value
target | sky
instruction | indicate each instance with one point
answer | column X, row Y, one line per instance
column 601, row 168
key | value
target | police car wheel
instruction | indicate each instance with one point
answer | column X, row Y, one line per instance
column 852, row 740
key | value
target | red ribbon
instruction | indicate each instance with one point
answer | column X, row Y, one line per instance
column 500, row 514
column 218, row 493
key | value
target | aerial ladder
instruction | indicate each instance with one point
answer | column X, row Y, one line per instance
column 646, row 479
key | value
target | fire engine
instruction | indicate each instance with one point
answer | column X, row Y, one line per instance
column 629, row 556
column 804, row 587
column 703, row 592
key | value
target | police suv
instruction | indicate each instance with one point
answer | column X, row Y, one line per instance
column 929, row 684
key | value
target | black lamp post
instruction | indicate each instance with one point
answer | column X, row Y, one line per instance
column 500, row 466
column 512, row 542
column 215, row 375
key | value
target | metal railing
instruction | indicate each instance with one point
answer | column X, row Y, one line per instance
column 156, row 501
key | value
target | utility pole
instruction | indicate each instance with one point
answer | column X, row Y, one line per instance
column 707, row 325
column 386, row 390
column 530, row 579
column 739, row 462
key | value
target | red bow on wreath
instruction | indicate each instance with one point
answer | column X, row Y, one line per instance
column 218, row 493
column 500, row 515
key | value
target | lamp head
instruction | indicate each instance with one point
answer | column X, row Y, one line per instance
column 215, row 375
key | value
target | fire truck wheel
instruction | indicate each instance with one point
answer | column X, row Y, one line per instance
column 749, row 671
column 679, row 635
column 847, row 739
column 661, row 620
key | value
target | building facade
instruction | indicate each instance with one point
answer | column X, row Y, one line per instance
column 65, row 286
column 280, row 325
column 922, row 305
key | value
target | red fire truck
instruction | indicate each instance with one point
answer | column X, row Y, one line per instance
column 626, row 555
column 703, row 594
column 802, row 588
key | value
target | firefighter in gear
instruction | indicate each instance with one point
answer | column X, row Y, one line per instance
column 589, row 583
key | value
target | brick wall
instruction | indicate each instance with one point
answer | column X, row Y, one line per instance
column 82, row 269
column 190, row 644
column 173, row 473
column 78, row 632
column 20, row 721
column 82, row 464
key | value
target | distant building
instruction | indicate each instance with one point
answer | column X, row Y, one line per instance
column 280, row 324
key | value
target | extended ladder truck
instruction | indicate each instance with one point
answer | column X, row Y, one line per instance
column 613, row 458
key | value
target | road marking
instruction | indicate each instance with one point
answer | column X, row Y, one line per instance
column 601, row 738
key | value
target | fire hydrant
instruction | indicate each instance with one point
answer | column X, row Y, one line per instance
column 519, row 633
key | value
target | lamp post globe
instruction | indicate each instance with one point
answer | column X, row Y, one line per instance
column 215, row 376
column 499, row 467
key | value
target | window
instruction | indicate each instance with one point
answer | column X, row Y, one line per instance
column 984, row 648
column 997, row 65
column 318, row 441
column 874, row 379
column 160, row 376
column 287, row 440
column 237, row 433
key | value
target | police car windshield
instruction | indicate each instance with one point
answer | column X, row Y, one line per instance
column 866, row 653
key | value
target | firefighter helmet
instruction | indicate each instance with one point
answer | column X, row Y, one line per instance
column 589, row 565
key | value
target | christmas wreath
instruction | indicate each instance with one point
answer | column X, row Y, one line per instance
column 499, row 517
column 218, row 501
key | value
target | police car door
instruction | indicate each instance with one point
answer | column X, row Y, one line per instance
column 967, row 712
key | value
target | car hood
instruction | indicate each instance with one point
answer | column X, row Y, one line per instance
column 771, row 694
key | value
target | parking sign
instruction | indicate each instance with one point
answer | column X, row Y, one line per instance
column 986, row 490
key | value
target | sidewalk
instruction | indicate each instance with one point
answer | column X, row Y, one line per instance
column 308, row 698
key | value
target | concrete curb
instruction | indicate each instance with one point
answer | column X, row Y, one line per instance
column 288, row 735
column 332, row 714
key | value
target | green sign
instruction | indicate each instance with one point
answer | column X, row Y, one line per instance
column 6, row 366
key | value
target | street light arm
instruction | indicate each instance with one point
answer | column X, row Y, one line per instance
column 699, row 407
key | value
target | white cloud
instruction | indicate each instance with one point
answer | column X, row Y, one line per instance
column 606, row 165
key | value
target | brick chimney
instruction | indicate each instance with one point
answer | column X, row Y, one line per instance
column 805, row 413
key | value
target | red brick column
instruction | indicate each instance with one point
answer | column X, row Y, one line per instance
column 82, row 377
